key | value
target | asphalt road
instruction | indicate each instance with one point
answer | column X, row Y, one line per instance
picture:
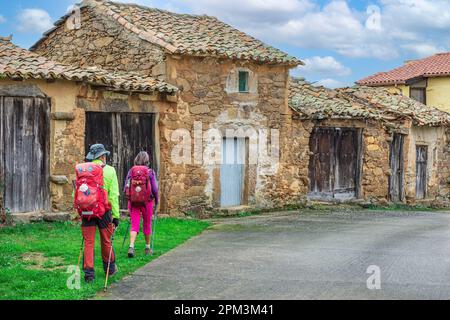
column 308, row 255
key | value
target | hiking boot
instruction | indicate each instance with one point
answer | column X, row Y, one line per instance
column 89, row 279
column 116, row 269
column 131, row 252
column 148, row 252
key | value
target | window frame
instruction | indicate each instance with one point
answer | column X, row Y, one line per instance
column 247, row 78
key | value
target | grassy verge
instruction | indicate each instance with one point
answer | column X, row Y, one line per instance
column 34, row 258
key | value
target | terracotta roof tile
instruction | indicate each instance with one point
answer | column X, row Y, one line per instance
column 378, row 104
column 194, row 35
column 434, row 66
column 16, row 62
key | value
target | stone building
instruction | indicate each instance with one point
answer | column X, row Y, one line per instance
column 369, row 144
column 227, row 80
column 225, row 124
column 43, row 108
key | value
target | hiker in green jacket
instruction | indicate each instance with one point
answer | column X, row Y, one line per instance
column 106, row 223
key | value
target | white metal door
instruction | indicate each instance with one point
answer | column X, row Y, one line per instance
column 232, row 171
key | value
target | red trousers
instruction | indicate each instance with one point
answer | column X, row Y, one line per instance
column 89, row 229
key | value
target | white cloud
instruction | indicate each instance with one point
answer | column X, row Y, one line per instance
column 422, row 50
column 330, row 83
column 324, row 66
column 392, row 29
column 251, row 12
column 2, row 19
column 34, row 20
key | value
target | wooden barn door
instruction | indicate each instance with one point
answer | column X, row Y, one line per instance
column 396, row 164
column 421, row 171
column 333, row 164
column 125, row 135
column 24, row 153
column 321, row 163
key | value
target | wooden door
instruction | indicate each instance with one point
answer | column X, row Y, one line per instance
column 397, row 172
column 125, row 135
column 24, row 153
column 421, row 171
column 333, row 164
column 232, row 172
column 322, row 160
column 346, row 160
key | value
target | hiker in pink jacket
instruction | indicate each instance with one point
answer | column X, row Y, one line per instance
column 141, row 189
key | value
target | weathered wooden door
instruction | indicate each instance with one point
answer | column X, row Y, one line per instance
column 397, row 172
column 125, row 135
column 232, row 172
column 421, row 171
column 333, row 163
column 345, row 164
column 24, row 153
column 321, row 163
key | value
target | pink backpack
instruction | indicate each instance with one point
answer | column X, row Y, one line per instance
column 139, row 188
column 91, row 199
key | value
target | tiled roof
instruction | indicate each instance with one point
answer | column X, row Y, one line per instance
column 194, row 35
column 16, row 63
column 434, row 66
column 377, row 104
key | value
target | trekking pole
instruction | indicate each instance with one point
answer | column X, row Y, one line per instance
column 125, row 237
column 154, row 231
column 109, row 261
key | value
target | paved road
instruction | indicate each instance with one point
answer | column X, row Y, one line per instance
column 312, row 255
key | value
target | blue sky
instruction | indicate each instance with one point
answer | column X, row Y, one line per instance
column 341, row 41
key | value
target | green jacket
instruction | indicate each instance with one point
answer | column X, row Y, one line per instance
column 111, row 185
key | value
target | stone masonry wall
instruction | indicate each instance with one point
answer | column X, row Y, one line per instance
column 209, row 96
column 102, row 42
column 375, row 153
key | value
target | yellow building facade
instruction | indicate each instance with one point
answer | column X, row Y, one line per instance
column 437, row 92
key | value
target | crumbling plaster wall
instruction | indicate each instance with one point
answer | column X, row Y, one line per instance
column 69, row 104
column 437, row 168
column 66, row 138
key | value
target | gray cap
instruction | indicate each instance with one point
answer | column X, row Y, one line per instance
column 96, row 151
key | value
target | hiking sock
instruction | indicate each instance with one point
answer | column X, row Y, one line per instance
column 147, row 246
column 132, row 246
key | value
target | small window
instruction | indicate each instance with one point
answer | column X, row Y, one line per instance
column 418, row 94
column 243, row 81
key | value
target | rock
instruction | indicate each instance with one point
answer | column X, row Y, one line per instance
column 57, row 217
column 200, row 109
column 27, row 217
column 59, row 180
column 103, row 42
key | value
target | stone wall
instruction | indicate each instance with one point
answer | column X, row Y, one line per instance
column 375, row 157
column 102, row 42
column 210, row 98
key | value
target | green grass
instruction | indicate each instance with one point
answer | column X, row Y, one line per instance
column 34, row 258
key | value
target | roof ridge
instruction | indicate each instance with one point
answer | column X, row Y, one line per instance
column 130, row 4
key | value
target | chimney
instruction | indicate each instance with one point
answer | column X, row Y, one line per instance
column 6, row 38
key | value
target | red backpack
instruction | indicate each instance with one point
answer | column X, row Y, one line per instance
column 139, row 188
column 91, row 199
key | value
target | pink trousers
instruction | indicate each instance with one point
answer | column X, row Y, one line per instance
column 135, row 215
